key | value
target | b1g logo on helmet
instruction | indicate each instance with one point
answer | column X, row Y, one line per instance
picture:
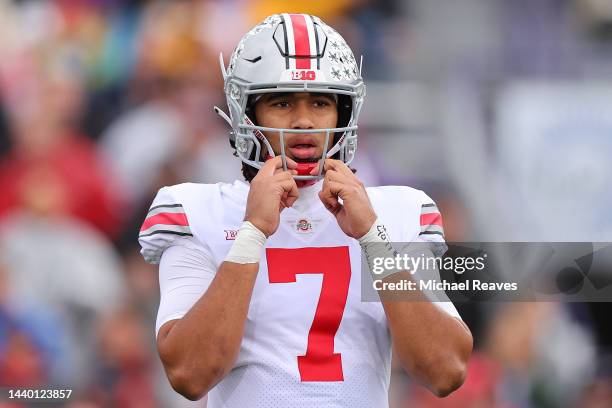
column 303, row 226
column 302, row 75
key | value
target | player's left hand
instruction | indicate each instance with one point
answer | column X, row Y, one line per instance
column 355, row 214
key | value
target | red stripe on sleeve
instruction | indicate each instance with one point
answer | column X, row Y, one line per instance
column 166, row 219
column 302, row 42
column 431, row 219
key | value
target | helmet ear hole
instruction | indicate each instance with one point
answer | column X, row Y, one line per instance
column 345, row 109
column 250, row 110
column 250, row 113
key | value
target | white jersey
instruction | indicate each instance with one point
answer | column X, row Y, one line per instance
column 309, row 340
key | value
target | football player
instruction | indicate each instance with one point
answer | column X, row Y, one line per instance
column 260, row 282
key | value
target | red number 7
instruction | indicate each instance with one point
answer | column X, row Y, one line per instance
column 320, row 363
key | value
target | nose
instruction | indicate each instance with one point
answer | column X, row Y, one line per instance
column 302, row 116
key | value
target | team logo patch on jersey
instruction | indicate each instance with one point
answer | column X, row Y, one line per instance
column 230, row 235
column 303, row 226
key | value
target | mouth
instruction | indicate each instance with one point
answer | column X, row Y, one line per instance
column 303, row 151
column 302, row 148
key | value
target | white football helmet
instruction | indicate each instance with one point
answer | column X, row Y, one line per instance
column 292, row 53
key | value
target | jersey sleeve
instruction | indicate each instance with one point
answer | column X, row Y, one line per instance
column 431, row 227
column 165, row 222
column 432, row 231
column 186, row 270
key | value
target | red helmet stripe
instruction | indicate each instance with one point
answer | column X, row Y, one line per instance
column 302, row 41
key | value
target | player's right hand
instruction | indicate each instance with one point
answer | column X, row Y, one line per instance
column 272, row 190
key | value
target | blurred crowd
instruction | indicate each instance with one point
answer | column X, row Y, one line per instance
column 481, row 103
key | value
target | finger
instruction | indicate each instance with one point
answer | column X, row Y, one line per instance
column 339, row 166
column 315, row 170
column 331, row 203
column 282, row 170
column 288, row 200
column 290, row 188
column 291, row 164
column 291, row 200
column 270, row 166
column 283, row 199
column 334, row 175
column 327, row 197
column 282, row 175
column 336, row 189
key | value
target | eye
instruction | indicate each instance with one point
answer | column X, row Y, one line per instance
column 281, row 103
column 321, row 103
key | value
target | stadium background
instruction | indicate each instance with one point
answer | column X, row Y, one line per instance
column 499, row 109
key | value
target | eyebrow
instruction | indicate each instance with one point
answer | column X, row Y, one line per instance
column 279, row 95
